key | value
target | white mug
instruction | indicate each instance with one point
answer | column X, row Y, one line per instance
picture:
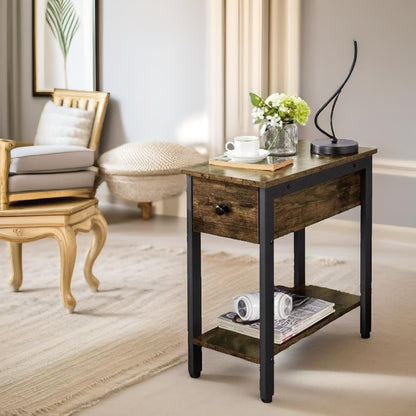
column 244, row 146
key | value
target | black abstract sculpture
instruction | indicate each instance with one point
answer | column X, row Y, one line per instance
column 334, row 146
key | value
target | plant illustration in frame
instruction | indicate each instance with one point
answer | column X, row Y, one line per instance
column 64, row 23
column 64, row 45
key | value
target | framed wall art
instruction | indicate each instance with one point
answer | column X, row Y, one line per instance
column 64, row 45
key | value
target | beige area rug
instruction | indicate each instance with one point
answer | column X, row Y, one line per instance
column 134, row 327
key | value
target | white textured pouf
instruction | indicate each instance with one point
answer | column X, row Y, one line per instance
column 147, row 172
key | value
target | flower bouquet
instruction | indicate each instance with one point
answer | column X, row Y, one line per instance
column 277, row 115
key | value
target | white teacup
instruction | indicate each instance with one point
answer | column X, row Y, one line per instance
column 244, row 146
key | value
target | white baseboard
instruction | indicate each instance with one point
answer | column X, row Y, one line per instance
column 397, row 167
column 175, row 207
column 406, row 235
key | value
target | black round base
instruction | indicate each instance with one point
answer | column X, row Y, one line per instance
column 341, row 147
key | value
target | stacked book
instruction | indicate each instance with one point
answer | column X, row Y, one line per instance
column 306, row 312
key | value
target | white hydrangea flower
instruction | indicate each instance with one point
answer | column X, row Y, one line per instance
column 274, row 121
column 275, row 99
column 257, row 113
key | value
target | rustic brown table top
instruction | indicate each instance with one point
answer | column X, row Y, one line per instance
column 305, row 163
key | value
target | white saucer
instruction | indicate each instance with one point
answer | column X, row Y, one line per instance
column 247, row 159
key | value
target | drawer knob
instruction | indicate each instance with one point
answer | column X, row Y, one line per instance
column 221, row 209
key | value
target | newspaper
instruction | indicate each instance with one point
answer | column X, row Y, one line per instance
column 306, row 312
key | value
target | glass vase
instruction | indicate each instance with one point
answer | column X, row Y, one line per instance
column 280, row 141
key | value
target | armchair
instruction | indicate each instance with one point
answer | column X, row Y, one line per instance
column 55, row 182
column 55, row 170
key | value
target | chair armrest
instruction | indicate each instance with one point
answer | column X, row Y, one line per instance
column 8, row 141
column 21, row 144
column 5, row 148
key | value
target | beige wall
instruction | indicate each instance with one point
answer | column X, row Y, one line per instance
column 378, row 105
column 154, row 64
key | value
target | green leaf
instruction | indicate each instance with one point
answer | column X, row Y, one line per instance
column 63, row 22
column 256, row 100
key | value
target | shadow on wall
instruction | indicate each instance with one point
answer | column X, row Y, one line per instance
column 113, row 134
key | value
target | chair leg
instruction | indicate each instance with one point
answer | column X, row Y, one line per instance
column 99, row 228
column 16, row 277
column 146, row 208
column 68, row 248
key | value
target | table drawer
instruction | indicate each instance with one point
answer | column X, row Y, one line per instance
column 295, row 211
column 239, row 222
column 292, row 212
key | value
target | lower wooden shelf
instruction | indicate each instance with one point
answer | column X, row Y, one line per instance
column 248, row 348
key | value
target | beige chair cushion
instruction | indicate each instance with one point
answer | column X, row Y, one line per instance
column 51, row 181
column 64, row 125
column 50, row 158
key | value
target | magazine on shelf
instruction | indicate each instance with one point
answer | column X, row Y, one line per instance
column 306, row 312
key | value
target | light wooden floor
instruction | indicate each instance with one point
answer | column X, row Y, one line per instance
column 333, row 372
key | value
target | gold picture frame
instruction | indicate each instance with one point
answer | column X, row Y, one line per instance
column 64, row 45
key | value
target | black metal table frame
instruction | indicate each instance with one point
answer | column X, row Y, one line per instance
column 266, row 245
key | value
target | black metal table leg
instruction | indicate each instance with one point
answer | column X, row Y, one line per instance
column 366, row 249
column 299, row 266
column 194, row 289
column 266, row 232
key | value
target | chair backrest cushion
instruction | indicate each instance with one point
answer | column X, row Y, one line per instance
column 64, row 125
column 49, row 158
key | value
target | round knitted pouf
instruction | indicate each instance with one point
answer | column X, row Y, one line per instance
column 147, row 172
